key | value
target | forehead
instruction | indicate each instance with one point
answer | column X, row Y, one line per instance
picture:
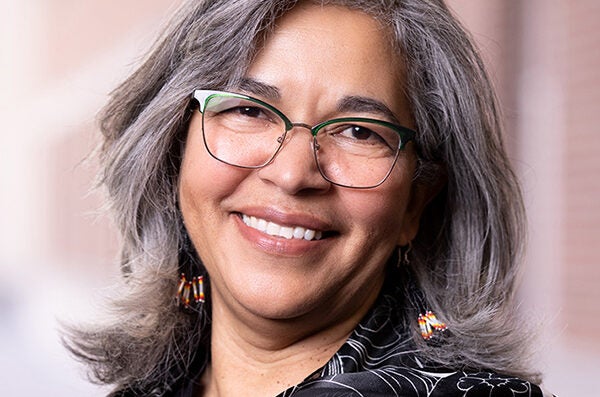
column 333, row 27
column 321, row 53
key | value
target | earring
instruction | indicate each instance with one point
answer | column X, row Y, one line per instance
column 190, row 288
column 403, row 259
column 429, row 323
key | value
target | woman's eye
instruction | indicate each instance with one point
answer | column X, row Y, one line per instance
column 244, row 116
column 249, row 111
column 360, row 133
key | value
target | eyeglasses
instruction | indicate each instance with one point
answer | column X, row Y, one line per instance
column 353, row 152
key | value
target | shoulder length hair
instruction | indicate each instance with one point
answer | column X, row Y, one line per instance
column 465, row 256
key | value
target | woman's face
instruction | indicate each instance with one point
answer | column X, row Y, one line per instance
column 316, row 57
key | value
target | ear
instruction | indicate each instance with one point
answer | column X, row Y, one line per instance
column 423, row 190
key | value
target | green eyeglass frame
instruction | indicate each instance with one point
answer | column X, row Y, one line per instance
column 406, row 134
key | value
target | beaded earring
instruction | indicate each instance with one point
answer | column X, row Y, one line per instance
column 428, row 322
column 189, row 289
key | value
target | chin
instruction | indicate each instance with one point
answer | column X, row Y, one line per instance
column 276, row 304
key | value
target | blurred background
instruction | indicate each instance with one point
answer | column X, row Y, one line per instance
column 59, row 59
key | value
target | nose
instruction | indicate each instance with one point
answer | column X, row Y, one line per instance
column 294, row 169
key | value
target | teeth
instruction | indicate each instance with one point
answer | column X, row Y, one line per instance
column 288, row 232
column 309, row 234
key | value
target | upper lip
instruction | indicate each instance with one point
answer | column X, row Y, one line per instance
column 285, row 218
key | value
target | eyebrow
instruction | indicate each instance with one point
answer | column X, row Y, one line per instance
column 256, row 87
column 348, row 104
column 361, row 104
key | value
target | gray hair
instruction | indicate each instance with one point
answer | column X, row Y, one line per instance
column 465, row 256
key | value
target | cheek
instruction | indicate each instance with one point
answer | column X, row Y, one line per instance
column 204, row 183
column 379, row 213
column 201, row 176
column 382, row 211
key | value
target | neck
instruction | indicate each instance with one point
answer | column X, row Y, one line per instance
column 267, row 356
column 239, row 365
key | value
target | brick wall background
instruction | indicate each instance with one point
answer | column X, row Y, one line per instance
column 581, row 239
column 60, row 58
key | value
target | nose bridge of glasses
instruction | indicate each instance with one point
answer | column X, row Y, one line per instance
column 304, row 125
column 291, row 126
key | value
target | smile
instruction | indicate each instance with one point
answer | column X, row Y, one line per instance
column 288, row 232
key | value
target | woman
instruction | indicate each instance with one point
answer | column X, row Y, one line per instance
column 332, row 195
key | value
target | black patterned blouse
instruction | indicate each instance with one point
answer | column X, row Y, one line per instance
column 379, row 359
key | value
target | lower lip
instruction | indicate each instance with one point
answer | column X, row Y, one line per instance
column 277, row 245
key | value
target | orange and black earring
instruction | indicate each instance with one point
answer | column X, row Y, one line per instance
column 190, row 289
column 428, row 323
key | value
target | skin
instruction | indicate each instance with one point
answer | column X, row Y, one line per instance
column 281, row 308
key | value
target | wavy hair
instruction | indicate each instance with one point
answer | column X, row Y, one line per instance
column 464, row 258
